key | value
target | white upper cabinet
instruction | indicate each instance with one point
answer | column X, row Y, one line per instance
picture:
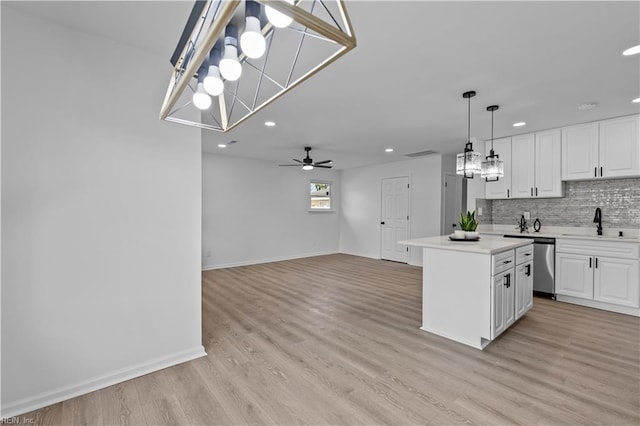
column 580, row 152
column 605, row 149
column 522, row 166
column 548, row 167
column 620, row 147
column 502, row 187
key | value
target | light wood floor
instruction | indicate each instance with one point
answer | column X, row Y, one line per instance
column 335, row 340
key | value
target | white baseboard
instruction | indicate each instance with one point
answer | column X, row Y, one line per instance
column 598, row 305
column 25, row 405
column 359, row 254
column 259, row 261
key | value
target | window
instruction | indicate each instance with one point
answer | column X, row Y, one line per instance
column 320, row 193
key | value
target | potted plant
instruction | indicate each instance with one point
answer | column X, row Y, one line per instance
column 469, row 224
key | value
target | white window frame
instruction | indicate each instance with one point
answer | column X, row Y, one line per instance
column 331, row 196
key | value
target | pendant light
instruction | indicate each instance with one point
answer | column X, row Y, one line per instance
column 493, row 166
column 230, row 67
column 469, row 161
column 252, row 41
column 200, row 98
column 278, row 19
column 213, row 83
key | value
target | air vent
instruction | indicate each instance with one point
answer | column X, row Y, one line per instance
column 421, row 153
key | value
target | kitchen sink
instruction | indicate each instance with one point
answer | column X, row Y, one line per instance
column 600, row 236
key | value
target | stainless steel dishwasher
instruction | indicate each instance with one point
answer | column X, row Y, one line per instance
column 544, row 264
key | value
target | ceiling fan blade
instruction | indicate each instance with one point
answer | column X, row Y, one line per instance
column 289, row 165
column 322, row 162
column 323, row 167
column 298, row 161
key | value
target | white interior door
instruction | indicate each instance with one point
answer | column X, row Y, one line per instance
column 395, row 218
column 452, row 202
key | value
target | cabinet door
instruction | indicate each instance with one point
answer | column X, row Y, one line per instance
column 574, row 275
column 497, row 311
column 548, row 173
column 619, row 147
column 502, row 187
column 509, row 299
column 522, row 169
column 617, row 281
column 524, row 288
column 580, row 152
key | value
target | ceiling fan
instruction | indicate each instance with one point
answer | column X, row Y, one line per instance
column 307, row 162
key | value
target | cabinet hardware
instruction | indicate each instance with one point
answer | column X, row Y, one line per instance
column 527, row 254
column 590, row 259
column 596, row 263
column 381, row 223
column 528, row 273
column 595, row 172
column 536, row 191
column 600, row 171
column 507, row 193
column 508, row 280
column 506, row 261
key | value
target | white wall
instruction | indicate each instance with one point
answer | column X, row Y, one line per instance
column 255, row 211
column 101, row 216
column 361, row 204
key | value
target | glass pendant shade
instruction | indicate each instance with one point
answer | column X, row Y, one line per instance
column 492, row 168
column 468, row 163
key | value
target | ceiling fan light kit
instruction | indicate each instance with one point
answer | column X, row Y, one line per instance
column 235, row 57
column 493, row 166
column 468, row 162
column 308, row 164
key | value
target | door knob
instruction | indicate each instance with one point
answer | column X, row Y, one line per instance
column 381, row 223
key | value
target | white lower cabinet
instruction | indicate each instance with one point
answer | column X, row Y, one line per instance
column 511, row 287
column 524, row 288
column 600, row 274
column 574, row 275
column 503, row 298
column 616, row 281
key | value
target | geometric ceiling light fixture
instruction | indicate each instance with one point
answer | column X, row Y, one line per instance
column 468, row 162
column 235, row 57
column 493, row 166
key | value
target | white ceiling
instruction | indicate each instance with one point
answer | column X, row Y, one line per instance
column 402, row 85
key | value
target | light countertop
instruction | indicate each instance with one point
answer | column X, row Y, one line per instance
column 488, row 244
column 630, row 235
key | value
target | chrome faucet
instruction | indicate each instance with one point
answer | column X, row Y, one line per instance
column 598, row 219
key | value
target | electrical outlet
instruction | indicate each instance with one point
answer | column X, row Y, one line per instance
column 479, row 211
column 527, row 216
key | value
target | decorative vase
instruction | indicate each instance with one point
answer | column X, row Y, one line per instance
column 472, row 235
column 460, row 234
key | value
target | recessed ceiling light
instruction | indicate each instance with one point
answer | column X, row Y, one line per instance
column 636, row 100
column 222, row 145
column 269, row 123
column 519, row 124
column 388, row 150
column 587, row 105
column 632, row 51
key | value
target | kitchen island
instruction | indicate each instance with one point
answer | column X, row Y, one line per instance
column 474, row 290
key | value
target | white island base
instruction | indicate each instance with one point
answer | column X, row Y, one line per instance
column 473, row 291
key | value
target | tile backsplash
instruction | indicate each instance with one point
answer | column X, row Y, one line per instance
column 619, row 200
